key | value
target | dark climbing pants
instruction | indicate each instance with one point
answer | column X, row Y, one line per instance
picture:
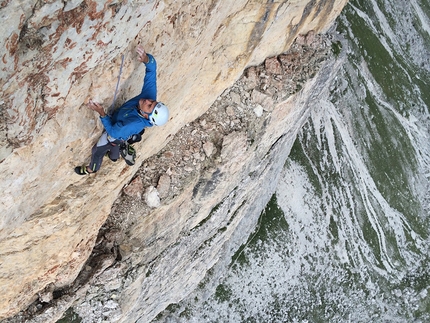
column 101, row 148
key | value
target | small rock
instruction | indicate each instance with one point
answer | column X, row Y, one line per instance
column 135, row 188
column 251, row 80
column 230, row 111
column 310, row 37
column 262, row 99
column 163, row 186
column 273, row 66
column 168, row 154
column 235, row 98
column 208, row 148
column 46, row 295
column 111, row 304
column 195, row 150
column 300, row 40
column 152, row 199
column 258, row 110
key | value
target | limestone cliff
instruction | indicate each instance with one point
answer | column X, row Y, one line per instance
column 57, row 54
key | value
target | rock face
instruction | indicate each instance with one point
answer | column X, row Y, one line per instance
column 54, row 56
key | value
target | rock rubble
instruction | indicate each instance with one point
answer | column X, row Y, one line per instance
column 242, row 108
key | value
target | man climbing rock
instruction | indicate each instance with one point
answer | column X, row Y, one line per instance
column 130, row 120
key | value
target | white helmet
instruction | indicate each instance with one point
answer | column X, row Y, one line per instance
column 159, row 115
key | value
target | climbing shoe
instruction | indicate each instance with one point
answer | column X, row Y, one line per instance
column 128, row 153
column 81, row 170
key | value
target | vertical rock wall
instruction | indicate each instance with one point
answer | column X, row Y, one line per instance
column 57, row 54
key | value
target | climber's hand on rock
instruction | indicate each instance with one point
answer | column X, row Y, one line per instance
column 142, row 54
column 96, row 107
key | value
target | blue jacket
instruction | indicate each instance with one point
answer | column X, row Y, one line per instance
column 126, row 120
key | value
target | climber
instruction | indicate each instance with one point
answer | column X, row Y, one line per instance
column 129, row 121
